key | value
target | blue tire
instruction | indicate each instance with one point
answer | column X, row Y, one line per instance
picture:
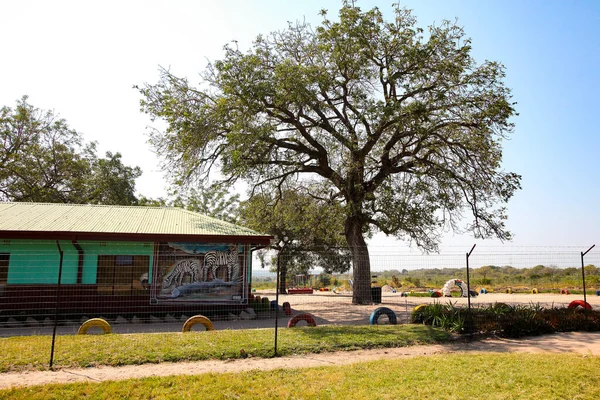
column 380, row 311
column 597, row 292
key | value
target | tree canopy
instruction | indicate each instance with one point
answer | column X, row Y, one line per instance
column 308, row 233
column 43, row 160
column 402, row 127
column 211, row 200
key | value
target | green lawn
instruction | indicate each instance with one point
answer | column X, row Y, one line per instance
column 33, row 352
column 455, row 376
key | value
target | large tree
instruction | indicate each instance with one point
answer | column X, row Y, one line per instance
column 308, row 233
column 399, row 125
column 43, row 160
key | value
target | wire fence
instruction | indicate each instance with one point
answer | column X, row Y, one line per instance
column 128, row 287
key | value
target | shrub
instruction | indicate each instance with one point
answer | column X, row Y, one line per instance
column 507, row 321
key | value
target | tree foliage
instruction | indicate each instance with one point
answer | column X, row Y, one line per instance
column 400, row 126
column 212, row 200
column 308, row 233
column 43, row 160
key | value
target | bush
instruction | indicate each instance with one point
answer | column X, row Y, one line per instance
column 507, row 321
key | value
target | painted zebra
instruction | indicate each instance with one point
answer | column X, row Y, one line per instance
column 213, row 260
column 189, row 266
column 233, row 266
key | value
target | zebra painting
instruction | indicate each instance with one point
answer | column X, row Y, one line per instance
column 213, row 260
column 190, row 267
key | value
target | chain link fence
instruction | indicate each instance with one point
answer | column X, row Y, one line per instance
column 159, row 287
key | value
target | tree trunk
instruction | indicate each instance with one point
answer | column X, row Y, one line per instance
column 282, row 260
column 361, row 265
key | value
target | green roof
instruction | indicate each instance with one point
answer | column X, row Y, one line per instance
column 46, row 219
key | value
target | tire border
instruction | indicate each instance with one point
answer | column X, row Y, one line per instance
column 580, row 303
column 301, row 317
column 90, row 323
column 380, row 311
column 197, row 319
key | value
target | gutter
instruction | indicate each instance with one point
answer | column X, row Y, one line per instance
column 79, row 261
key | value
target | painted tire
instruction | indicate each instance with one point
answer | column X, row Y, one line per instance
column 436, row 294
column 420, row 306
column 597, row 292
column 197, row 319
column 287, row 309
column 580, row 303
column 534, row 291
column 404, row 294
column 509, row 290
column 380, row 311
column 301, row 317
column 564, row 291
column 483, row 291
column 90, row 323
column 336, row 290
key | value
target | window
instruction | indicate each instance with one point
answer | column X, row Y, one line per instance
column 121, row 274
column 4, row 259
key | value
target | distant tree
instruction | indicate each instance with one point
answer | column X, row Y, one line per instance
column 308, row 232
column 485, row 271
column 112, row 182
column 43, row 160
column 591, row 270
column 404, row 129
column 214, row 201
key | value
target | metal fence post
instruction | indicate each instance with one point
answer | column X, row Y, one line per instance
column 583, row 278
column 469, row 317
column 276, row 304
column 60, row 265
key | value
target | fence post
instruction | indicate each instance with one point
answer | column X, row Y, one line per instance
column 276, row 304
column 583, row 277
column 60, row 265
column 469, row 317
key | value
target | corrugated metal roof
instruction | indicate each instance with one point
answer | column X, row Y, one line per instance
column 45, row 217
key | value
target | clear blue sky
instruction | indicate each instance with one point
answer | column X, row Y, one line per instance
column 82, row 59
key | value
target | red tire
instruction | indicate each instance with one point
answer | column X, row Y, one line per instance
column 301, row 317
column 580, row 303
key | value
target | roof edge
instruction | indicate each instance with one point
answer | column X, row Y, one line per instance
column 134, row 237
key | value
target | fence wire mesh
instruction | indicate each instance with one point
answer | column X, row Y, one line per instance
column 157, row 287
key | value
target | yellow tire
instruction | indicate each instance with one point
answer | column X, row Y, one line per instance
column 90, row 323
column 534, row 291
column 197, row 319
column 417, row 308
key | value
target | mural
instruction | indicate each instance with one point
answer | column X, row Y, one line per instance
column 199, row 272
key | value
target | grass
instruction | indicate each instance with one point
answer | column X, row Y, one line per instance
column 455, row 376
column 33, row 352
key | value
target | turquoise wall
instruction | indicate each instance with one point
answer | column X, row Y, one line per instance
column 37, row 261
column 93, row 249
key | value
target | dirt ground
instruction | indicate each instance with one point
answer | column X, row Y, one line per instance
column 585, row 343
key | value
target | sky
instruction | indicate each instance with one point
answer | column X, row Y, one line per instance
column 82, row 59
